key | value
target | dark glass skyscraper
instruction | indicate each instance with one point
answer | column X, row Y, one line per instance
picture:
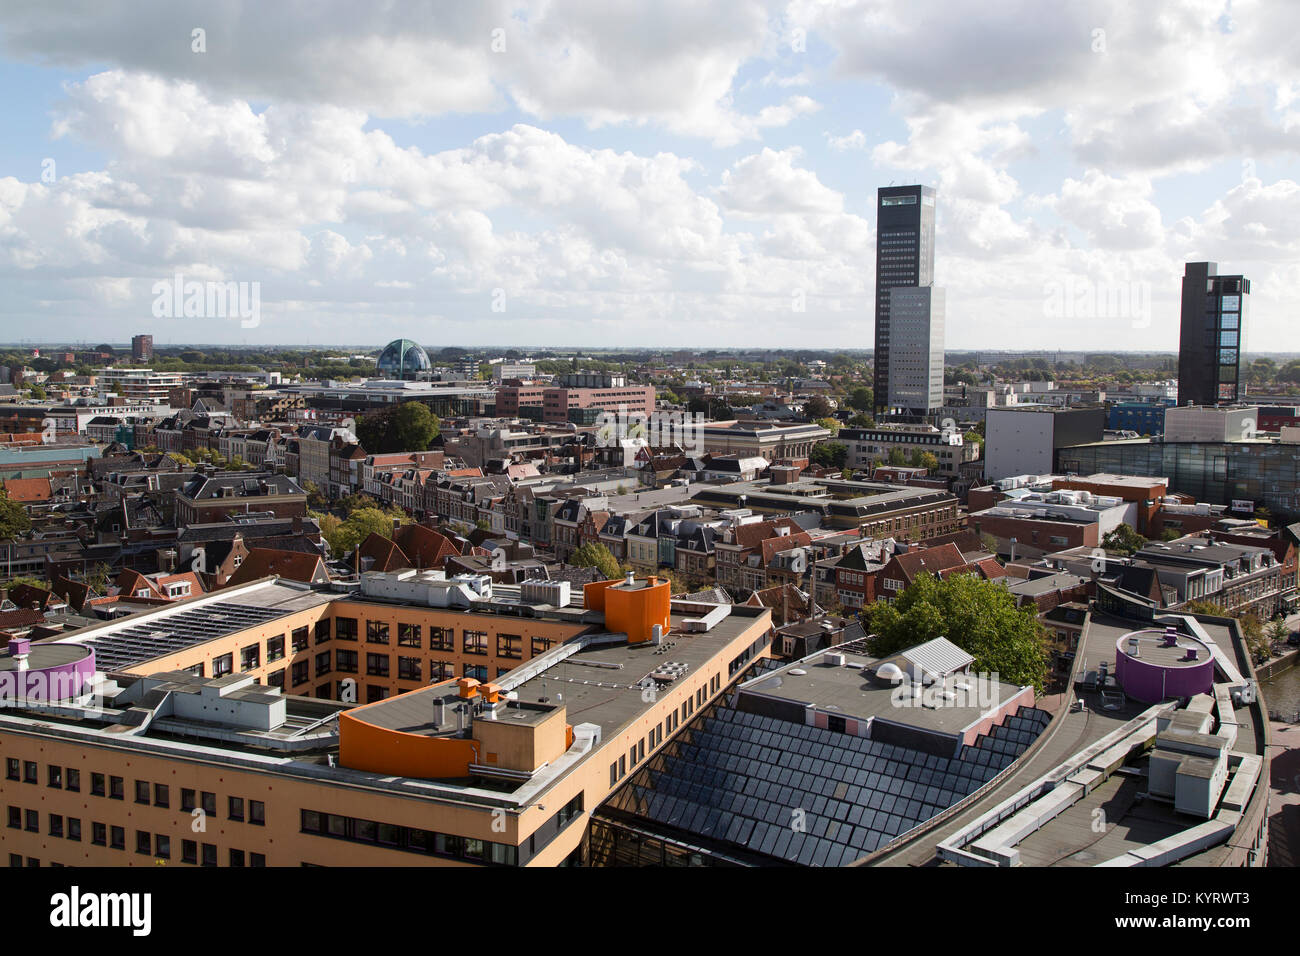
column 1211, row 340
column 904, row 257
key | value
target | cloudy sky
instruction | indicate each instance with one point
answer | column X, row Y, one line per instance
column 667, row 172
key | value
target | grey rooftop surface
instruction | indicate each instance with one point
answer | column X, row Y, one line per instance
column 854, row 692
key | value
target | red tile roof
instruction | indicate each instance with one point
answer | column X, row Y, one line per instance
column 28, row 490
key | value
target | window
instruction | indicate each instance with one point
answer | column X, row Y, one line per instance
column 143, row 842
column 345, row 660
column 322, row 663
column 476, row 671
column 250, row 658
column 377, row 665
column 511, row 646
column 408, row 668
column 442, row 639
column 275, row 648
column 162, row 846
column 31, row 821
column 257, row 859
column 236, row 808
column 376, row 692
column 236, row 857
column 116, row 788
column 298, row 638
column 441, row 670
column 15, row 818
column 142, row 792
column 74, row 780
column 345, row 628
column 257, row 813
column 29, row 771
column 117, row 838
column 301, row 672
column 475, row 642
column 209, row 803
column 209, row 854
column 187, row 799
column 96, row 784
column 55, row 776
column 12, row 767
column 74, row 829
column 56, row 825
column 189, row 851
column 376, row 632
column 408, row 635
column 223, row 665
column 99, row 834
column 322, row 631
column 540, row 645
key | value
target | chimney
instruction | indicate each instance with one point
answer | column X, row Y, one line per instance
column 297, row 524
column 19, row 648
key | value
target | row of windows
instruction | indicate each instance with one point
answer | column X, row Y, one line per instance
column 157, row 845
column 146, row 794
column 408, row 839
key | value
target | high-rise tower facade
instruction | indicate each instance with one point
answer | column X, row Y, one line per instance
column 904, row 258
column 1211, row 338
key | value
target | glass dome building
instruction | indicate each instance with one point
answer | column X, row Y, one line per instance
column 404, row 359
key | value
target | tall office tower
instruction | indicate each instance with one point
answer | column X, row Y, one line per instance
column 916, row 316
column 1212, row 337
column 142, row 348
column 904, row 257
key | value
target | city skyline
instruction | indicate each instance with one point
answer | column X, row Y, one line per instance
column 564, row 179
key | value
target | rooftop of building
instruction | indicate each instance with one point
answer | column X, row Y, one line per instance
column 129, row 642
column 852, row 689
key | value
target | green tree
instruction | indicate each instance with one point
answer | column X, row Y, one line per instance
column 1278, row 630
column 13, row 517
column 830, row 424
column 979, row 616
column 314, row 497
column 927, row 460
column 1123, row 540
column 409, row 426
column 99, row 577
column 830, row 454
column 817, row 407
column 897, row 457
column 595, row 555
column 861, row 398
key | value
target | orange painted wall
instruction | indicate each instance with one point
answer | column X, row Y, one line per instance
column 363, row 746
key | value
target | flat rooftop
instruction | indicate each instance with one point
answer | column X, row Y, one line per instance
column 853, row 691
column 1153, row 650
column 603, row 685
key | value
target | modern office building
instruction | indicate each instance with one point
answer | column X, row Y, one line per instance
column 1024, row 439
column 138, row 385
column 1212, row 334
column 916, row 317
column 904, row 257
column 414, row 721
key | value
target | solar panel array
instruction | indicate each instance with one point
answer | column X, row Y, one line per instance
column 801, row 794
column 141, row 642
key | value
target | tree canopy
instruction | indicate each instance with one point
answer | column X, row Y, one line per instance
column 977, row 615
column 1123, row 539
column 596, row 555
column 409, row 426
column 13, row 517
